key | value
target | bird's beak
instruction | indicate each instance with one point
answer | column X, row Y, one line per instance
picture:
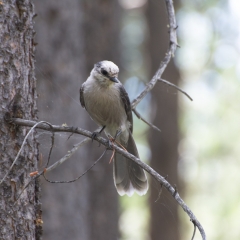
column 114, row 79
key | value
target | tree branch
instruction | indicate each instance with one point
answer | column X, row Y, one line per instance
column 153, row 173
column 24, row 141
column 169, row 54
column 173, row 85
column 144, row 120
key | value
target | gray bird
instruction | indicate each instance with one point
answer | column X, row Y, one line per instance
column 108, row 104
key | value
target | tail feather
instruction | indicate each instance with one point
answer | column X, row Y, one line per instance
column 128, row 176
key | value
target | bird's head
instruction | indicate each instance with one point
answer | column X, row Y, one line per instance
column 105, row 72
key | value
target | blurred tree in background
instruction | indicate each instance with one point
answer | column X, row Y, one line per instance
column 209, row 60
column 72, row 36
column 164, row 146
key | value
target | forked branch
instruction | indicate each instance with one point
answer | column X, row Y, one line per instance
column 152, row 172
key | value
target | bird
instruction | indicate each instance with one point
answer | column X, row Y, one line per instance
column 105, row 99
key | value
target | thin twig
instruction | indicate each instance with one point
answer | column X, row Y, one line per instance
column 144, row 120
column 68, row 155
column 37, row 174
column 160, row 190
column 51, row 148
column 194, row 231
column 24, row 141
column 75, row 179
column 62, row 160
column 173, row 85
column 159, row 193
column 26, row 185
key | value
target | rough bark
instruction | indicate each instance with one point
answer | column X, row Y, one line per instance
column 164, row 145
column 71, row 40
column 21, row 220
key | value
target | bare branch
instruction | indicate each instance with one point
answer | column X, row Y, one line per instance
column 194, row 231
column 44, row 126
column 160, row 190
column 144, row 120
column 170, row 53
column 37, row 174
column 24, row 141
column 103, row 141
column 173, row 85
column 75, row 179
column 68, row 155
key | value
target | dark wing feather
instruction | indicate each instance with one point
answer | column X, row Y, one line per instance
column 127, row 105
column 81, row 96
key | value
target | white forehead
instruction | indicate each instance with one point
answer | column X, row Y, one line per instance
column 109, row 66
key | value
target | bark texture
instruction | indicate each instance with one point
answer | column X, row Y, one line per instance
column 72, row 36
column 21, row 220
column 164, row 145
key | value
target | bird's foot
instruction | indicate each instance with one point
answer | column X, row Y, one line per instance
column 111, row 141
column 95, row 135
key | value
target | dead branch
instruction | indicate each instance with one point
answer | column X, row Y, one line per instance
column 169, row 54
column 24, row 141
column 173, row 85
column 75, row 179
column 144, row 120
column 153, row 173
column 68, row 155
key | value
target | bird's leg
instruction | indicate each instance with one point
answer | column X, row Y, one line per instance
column 96, row 134
column 111, row 140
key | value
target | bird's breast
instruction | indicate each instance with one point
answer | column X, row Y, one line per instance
column 105, row 106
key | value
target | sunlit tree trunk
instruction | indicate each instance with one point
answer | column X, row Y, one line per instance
column 21, row 219
column 164, row 145
column 72, row 36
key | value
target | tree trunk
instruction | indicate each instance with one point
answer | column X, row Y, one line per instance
column 21, row 219
column 164, row 145
column 59, row 72
column 101, row 42
column 72, row 36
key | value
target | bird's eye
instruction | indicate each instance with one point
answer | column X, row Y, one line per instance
column 104, row 72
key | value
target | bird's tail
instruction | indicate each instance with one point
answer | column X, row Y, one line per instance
column 128, row 176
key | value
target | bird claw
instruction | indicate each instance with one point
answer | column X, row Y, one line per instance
column 95, row 135
column 111, row 140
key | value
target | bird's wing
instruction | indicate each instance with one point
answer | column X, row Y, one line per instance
column 81, row 96
column 127, row 105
